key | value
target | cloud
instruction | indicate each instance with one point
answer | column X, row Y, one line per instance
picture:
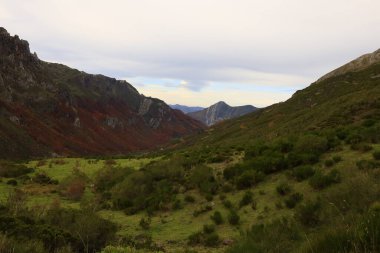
column 245, row 44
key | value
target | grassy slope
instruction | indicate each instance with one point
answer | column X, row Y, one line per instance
column 336, row 101
column 171, row 229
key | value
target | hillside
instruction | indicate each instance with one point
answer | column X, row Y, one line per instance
column 49, row 108
column 219, row 112
column 340, row 100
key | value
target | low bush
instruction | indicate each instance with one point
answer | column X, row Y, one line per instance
column 376, row 155
column 283, row 188
column 217, row 218
column 303, row 172
column 189, row 199
column 329, row 163
column 308, row 214
column 246, row 199
column 233, row 218
column 293, row 200
column 320, row 181
column 367, row 164
column 9, row 169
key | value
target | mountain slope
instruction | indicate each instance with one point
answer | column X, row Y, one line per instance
column 186, row 109
column 221, row 111
column 339, row 100
column 50, row 108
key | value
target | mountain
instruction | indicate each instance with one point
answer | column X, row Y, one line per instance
column 186, row 109
column 221, row 111
column 349, row 95
column 50, row 108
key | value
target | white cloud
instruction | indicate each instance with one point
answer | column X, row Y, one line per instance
column 251, row 43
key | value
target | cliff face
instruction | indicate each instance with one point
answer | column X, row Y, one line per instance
column 219, row 112
column 50, row 108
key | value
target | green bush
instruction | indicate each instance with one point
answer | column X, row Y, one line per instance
column 246, row 199
column 367, row 164
column 249, row 178
column 337, row 159
column 303, row 172
column 9, row 169
column 308, row 214
column 12, row 182
column 376, row 155
column 208, row 228
column 145, row 223
column 227, row 204
column 293, row 200
column 233, row 218
column 217, row 218
column 212, row 240
column 189, row 199
column 283, row 188
column 320, row 181
column 329, row 163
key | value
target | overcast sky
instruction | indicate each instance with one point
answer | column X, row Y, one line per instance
column 197, row 52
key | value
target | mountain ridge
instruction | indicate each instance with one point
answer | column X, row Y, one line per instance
column 51, row 108
column 221, row 111
column 186, row 109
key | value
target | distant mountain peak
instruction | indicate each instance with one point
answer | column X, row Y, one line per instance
column 221, row 111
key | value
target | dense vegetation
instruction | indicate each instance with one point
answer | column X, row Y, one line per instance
column 304, row 172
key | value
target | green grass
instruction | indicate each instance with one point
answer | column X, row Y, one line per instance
column 87, row 166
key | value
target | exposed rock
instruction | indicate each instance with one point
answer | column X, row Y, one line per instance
column 77, row 122
column 15, row 119
column 145, row 106
column 356, row 65
column 228, row 242
column 219, row 112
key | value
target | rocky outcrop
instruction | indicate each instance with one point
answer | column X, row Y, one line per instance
column 219, row 112
column 358, row 64
column 51, row 108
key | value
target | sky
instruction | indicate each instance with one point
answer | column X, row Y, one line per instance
column 199, row 52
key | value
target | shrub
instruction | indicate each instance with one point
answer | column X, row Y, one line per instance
column 195, row 238
column 12, row 182
column 293, row 200
column 209, row 197
column 376, row 155
column 145, row 223
column 227, row 204
column 329, row 163
column 217, row 218
column 212, row 240
column 246, row 199
column 249, row 178
column 367, row 164
column 9, row 169
column 189, row 199
column 208, row 229
column 337, row 159
column 309, row 213
column 321, row 181
column 42, row 178
column 74, row 190
column 303, row 172
column 233, row 218
column 363, row 147
column 283, row 188
column 177, row 205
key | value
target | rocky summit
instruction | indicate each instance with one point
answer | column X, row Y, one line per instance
column 220, row 112
column 48, row 108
